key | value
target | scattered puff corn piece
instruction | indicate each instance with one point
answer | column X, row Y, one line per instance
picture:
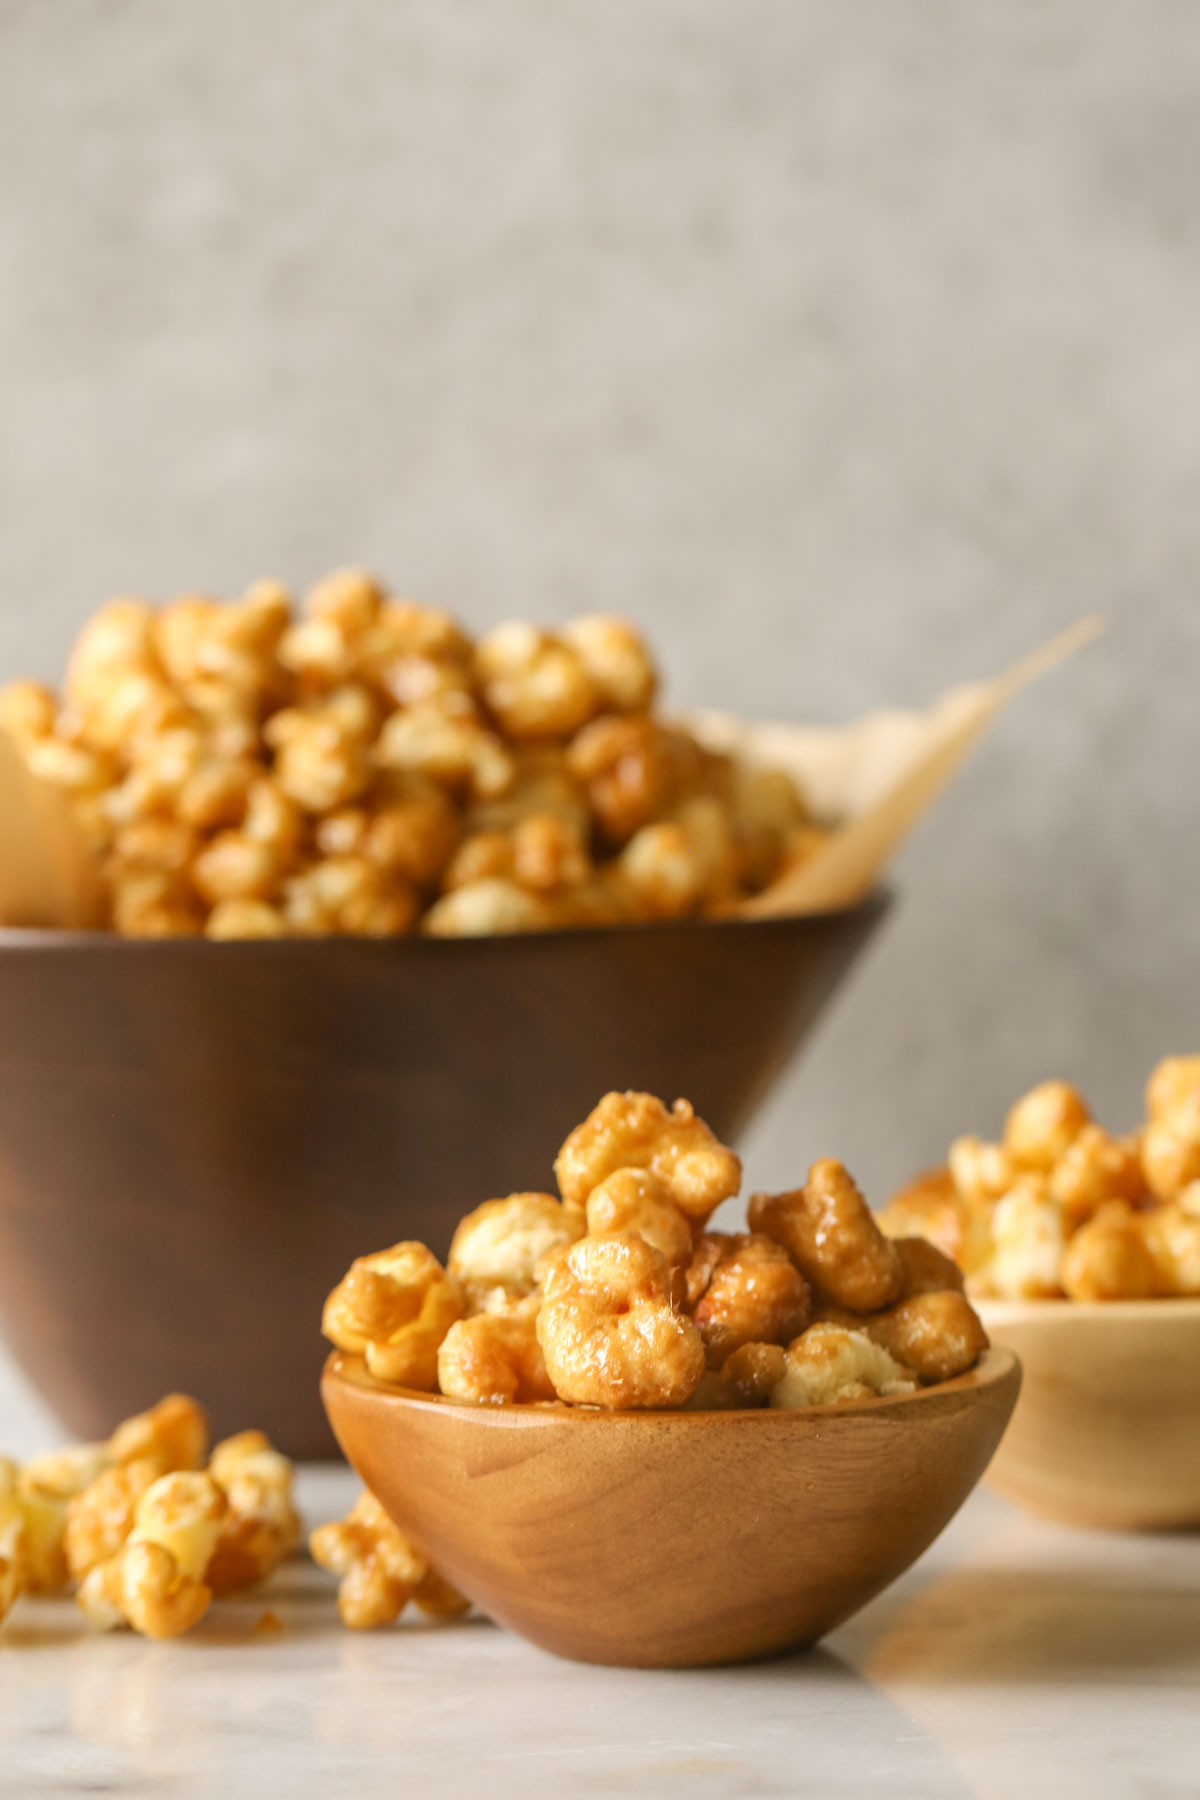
column 147, row 1532
column 617, row 1296
column 1064, row 1207
column 245, row 770
column 381, row 1570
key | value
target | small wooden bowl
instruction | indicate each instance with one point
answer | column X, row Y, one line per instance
column 196, row 1138
column 1108, row 1429
column 668, row 1539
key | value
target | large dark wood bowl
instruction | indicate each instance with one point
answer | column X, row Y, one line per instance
column 196, row 1139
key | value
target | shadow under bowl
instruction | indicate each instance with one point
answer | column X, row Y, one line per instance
column 1108, row 1429
column 671, row 1539
column 196, row 1139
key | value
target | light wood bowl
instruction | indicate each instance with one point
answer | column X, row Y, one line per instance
column 668, row 1540
column 1108, row 1429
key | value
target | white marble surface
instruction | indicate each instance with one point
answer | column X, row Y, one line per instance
column 1017, row 1659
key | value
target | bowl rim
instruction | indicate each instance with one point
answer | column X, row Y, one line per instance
column 344, row 1369
column 53, row 939
column 1018, row 1312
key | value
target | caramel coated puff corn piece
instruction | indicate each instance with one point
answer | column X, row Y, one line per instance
column 533, row 683
column 635, row 1131
column 1094, row 1169
column 626, row 769
column 394, row 1308
column 830, row 1365
column 608, row 1331
column 494, row 1357
column 1027, row 1239
column 262, row 1526
column 492, row 908
column 1044, row 1124
column 1109, row 1258
column 831, row 1235
column 938, row 1334
column 927, row 1270
column 45, row 1490
column 615, row 656
column 454, row 747
column 1172, row 1236
column 12, row 1540
column 543, row 853
column 101, row 1517
column 501, row 1243
column 981, row 1172
column 929, row 1207
column 155, row 1582
column 744, row 1380
column 745, row 1289
column 380, row 1570
column 636, row 1200
column 1171, row 1141
column 173, row 1435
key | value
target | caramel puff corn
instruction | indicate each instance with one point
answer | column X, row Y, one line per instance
column 381, row 1570
column 609, row 1332
column 831, row 1235
column 633, row 1130
column 1062, row 1206
column 394, row 1308
column 156, row 1581
column 358, row 765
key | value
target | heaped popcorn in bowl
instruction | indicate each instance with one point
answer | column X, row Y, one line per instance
column 1062, row 1207
column 619, row 1297
column 361, row 767
column 148, row 1526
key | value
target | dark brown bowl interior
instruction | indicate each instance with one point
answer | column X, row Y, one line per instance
column 196, row 1139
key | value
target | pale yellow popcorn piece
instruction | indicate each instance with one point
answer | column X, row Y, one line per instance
column 829, row 1365
column 1027, row 1239
column 501, row 1243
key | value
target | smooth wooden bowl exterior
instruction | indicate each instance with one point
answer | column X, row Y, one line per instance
column 667, row 1540
column 1108, row 1429
column 196, row 1139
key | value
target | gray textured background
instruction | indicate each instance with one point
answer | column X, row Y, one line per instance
column 852, row 348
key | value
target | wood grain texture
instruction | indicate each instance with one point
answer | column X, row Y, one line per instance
column 1108, row 1429
column 197, row 1139
column 667, row 1540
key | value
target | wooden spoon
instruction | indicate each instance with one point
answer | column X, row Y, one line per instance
column 48, row 877
column 671, row 1539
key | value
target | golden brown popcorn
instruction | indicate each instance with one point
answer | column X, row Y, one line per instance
column 661, row 872
column 745, row 1380
column 767, row 816
column 1109, row 1258
column 394, row 1308
column 173, row 1435
column 381, row 1570
column 829, row 1232
column 1027, row 1239
column 636, row 1200
column 625, row 767
column 982, row 1173
column 929, row 1207
column 488, row 908
column 101, row 1517
column 14, row 1547
column 608, row 1331
column 494, row 1358
column 633, row 1130
column 452, row 747
column 155, row 1582
column 261, row 1526
column 1172, row 1236
column 936, row 1334
column 830, row 1365
column 927, row 1270
column 27, row 711
column 245, row 919
column 750, row 1291
column 1043, row 1125
column 617, row 660
column 501, row 1243
column 1173, row 1090
column 534, row 684
column 1094, row 1168
column 1171, row 1154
